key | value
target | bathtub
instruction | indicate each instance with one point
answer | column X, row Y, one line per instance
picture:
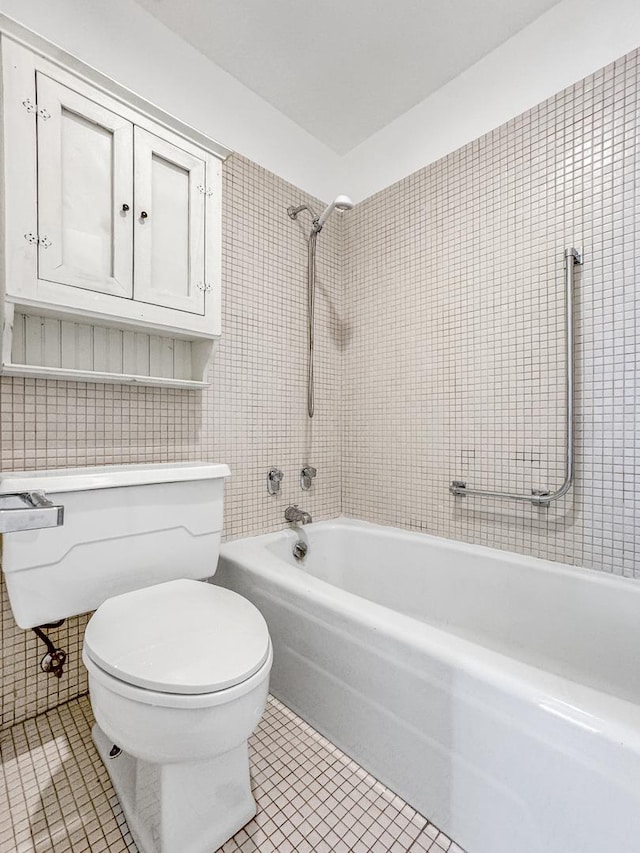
column 498, row 694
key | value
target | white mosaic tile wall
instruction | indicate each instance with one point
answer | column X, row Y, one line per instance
column 455, row 363
column 253, row 417
column 445, row 362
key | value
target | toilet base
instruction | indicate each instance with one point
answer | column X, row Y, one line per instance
column 193, row 807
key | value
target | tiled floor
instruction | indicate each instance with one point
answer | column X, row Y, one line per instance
column 55, row 794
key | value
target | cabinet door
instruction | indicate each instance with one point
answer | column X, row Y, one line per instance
column 169, row 267
column 85, row 184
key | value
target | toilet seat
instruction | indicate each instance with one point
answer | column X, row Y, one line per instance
column 178, row 701
column 183, row 638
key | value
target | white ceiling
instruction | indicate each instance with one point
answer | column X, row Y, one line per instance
column 343, row 69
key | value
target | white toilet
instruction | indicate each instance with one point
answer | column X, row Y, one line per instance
column 178, row 669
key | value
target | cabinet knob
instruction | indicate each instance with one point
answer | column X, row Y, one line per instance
column 125, row 208
column 143, row 214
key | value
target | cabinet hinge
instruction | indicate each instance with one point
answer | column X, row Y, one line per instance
column 35, row 239
column 34, row 109
column 204, row 190
column 202, row 285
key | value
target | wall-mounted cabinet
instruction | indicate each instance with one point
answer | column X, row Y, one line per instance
column 112, row 233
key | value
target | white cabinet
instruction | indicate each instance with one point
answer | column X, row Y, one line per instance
column 85, row 192
column 112, row 233
column 170, row 193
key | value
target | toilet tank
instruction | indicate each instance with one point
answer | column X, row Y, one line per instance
column 125, row 527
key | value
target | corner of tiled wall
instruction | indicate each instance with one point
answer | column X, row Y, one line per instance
column 456, row 365
column 252, row 417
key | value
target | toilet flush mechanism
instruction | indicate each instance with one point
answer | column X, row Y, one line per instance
column 28, row 510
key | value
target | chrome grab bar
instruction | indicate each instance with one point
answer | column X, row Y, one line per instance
column 28, row 511
column 540, row 497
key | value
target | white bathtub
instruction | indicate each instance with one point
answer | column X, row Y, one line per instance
column 498, row 694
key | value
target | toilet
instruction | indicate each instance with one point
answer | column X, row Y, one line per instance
column 178, row 679
column 178, row 668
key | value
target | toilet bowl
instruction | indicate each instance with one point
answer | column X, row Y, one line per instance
column 178, row 680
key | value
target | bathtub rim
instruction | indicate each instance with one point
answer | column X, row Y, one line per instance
column 598, row 576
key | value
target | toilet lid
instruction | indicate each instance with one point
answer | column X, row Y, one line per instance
column 183, row 636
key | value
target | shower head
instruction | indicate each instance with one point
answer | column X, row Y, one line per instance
column 340, row 202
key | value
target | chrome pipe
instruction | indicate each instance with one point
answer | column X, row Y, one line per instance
column 537, row 497
column 311, row 301
column 341, row 202
column 311, row 296
column 294, row 211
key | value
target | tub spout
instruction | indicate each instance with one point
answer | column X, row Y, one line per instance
column 296, row 515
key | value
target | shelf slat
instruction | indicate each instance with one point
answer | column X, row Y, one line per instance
column 39, row 372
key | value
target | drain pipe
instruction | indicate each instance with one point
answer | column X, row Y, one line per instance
column 53, row 661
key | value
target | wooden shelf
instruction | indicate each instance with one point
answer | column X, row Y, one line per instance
column 47, row 347
column 40, row 372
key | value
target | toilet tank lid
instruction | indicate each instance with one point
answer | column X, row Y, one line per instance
column 108, row 477
column 183, row 636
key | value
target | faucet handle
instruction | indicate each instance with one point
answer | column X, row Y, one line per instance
column 307, row 475
column 274, row 478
